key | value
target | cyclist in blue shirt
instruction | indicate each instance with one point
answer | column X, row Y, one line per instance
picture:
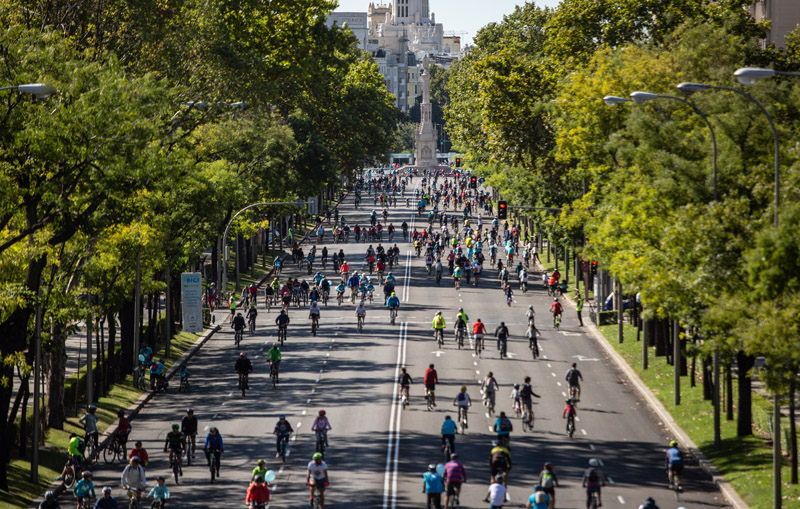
column 390, row 279
column 674, row 463
column 449, row 432
column 213, row 444
column 393, row 301
column 433, row 486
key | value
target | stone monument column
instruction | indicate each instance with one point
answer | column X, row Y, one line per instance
column 426, row 133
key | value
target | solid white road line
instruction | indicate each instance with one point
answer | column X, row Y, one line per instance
column 621, row 500
column 389, row 487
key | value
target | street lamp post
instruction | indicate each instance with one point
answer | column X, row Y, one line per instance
column 641, row 97
column 40, row 91
column 748, row 76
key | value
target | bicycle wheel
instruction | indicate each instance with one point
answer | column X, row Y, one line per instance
column 110, row 452
column 175, row 469
column 69, row 477
column 213, row 471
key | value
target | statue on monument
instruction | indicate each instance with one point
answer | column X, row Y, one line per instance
column 426, row 134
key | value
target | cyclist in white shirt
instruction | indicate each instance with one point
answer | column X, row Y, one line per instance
column 361, row 310
column 313, row 309
column 530, row 315
column 317, row 477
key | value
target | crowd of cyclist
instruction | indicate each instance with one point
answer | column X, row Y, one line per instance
column 463, row 250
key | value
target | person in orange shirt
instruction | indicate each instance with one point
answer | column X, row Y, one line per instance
column 257, row 493
column 141, row 453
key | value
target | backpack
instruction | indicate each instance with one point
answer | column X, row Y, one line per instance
column 572, row 377
column 462, row 396
column 541, row 497
column 593, row 476
column 505, row 424
column 547, row 480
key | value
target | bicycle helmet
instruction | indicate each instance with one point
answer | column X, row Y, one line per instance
column 453, row 456
column 241, row 354
column 516, row 386
column 212, row 428
column 176, row 426
column 530, row 307
column 239, row 313
column 189, row 411
column 673, row 444
column 499, row 478
column 322, row 412
column 160, row 478
column 460, row 310
column 317, row 456
column 86, row 474
column 107, row 489
column 259, row 479
column 49, row 495
column 432, row 467
column 394, row 294
column 135, row 459
column 555, row 299
column 274, row 345
column 593, row 462
column 92, row 408
column 120, row 413
column 538, row 488
column 262, row 462
column 138, row 443
column 282, row 417
column 548, row 465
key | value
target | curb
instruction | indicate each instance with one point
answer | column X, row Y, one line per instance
column 59, row 488
column 725, row 488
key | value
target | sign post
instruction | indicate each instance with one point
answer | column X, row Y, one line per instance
column 192, row 301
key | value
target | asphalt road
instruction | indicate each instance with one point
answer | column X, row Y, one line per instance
column 378, row 451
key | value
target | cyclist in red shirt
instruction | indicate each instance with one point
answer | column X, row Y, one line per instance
column 478, row 330
column 556, row 309
column 430, row 380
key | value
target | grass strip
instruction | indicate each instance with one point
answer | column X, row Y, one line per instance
column 52, row 456
column 745, row 462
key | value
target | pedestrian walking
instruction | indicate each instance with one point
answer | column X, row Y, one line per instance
column 579, row 308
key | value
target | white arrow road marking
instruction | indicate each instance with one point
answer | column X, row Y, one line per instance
column 585, row 359
column 438, row 353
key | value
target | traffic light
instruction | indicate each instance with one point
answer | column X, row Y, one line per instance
column 594, row 268
column 458, row 162
column 473, row 182
column 502, row 210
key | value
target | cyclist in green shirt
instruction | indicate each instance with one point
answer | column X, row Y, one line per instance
column 461, row 314
column 274, row 356
column 260, row 470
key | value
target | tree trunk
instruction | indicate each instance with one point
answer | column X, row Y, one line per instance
column 744, row 420
column 126, row 325
column 708, row 383
column 57, row 357
column 111, row 354
column 661, row 333
column 729, row 392
column 23, row 431
column 792, row 430
column 99, row 378
column 693, row 377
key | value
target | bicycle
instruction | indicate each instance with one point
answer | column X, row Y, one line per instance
column 339, row 297
column 252, row 324
column 594, row 501
column 404, row 397
column 460, row 333
column 533, row 345
column 284, row 442
column 115, row 450
column 86, row 502
column 557, row 320
column 438, row 276
column 439, row 335
column 570, row 425
column 184, row 386
column 237, row 338
column 158, row 503
column 320, row 446
column 448, row 450
column 281, row 333
column 133, row 500
column 141, row 383
column 316, row 502
column 462, row 419
column 314, row 324
column 458, row 283
column 527, row 419
column 524, row 286
column 71, row 475
column 360, row 324
column 573, row 393
column 243, row 382
column 392, row 314
column 176, row 466
column 92, row 454
column 429, row 400
column 273, row 373
column 213, row 464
